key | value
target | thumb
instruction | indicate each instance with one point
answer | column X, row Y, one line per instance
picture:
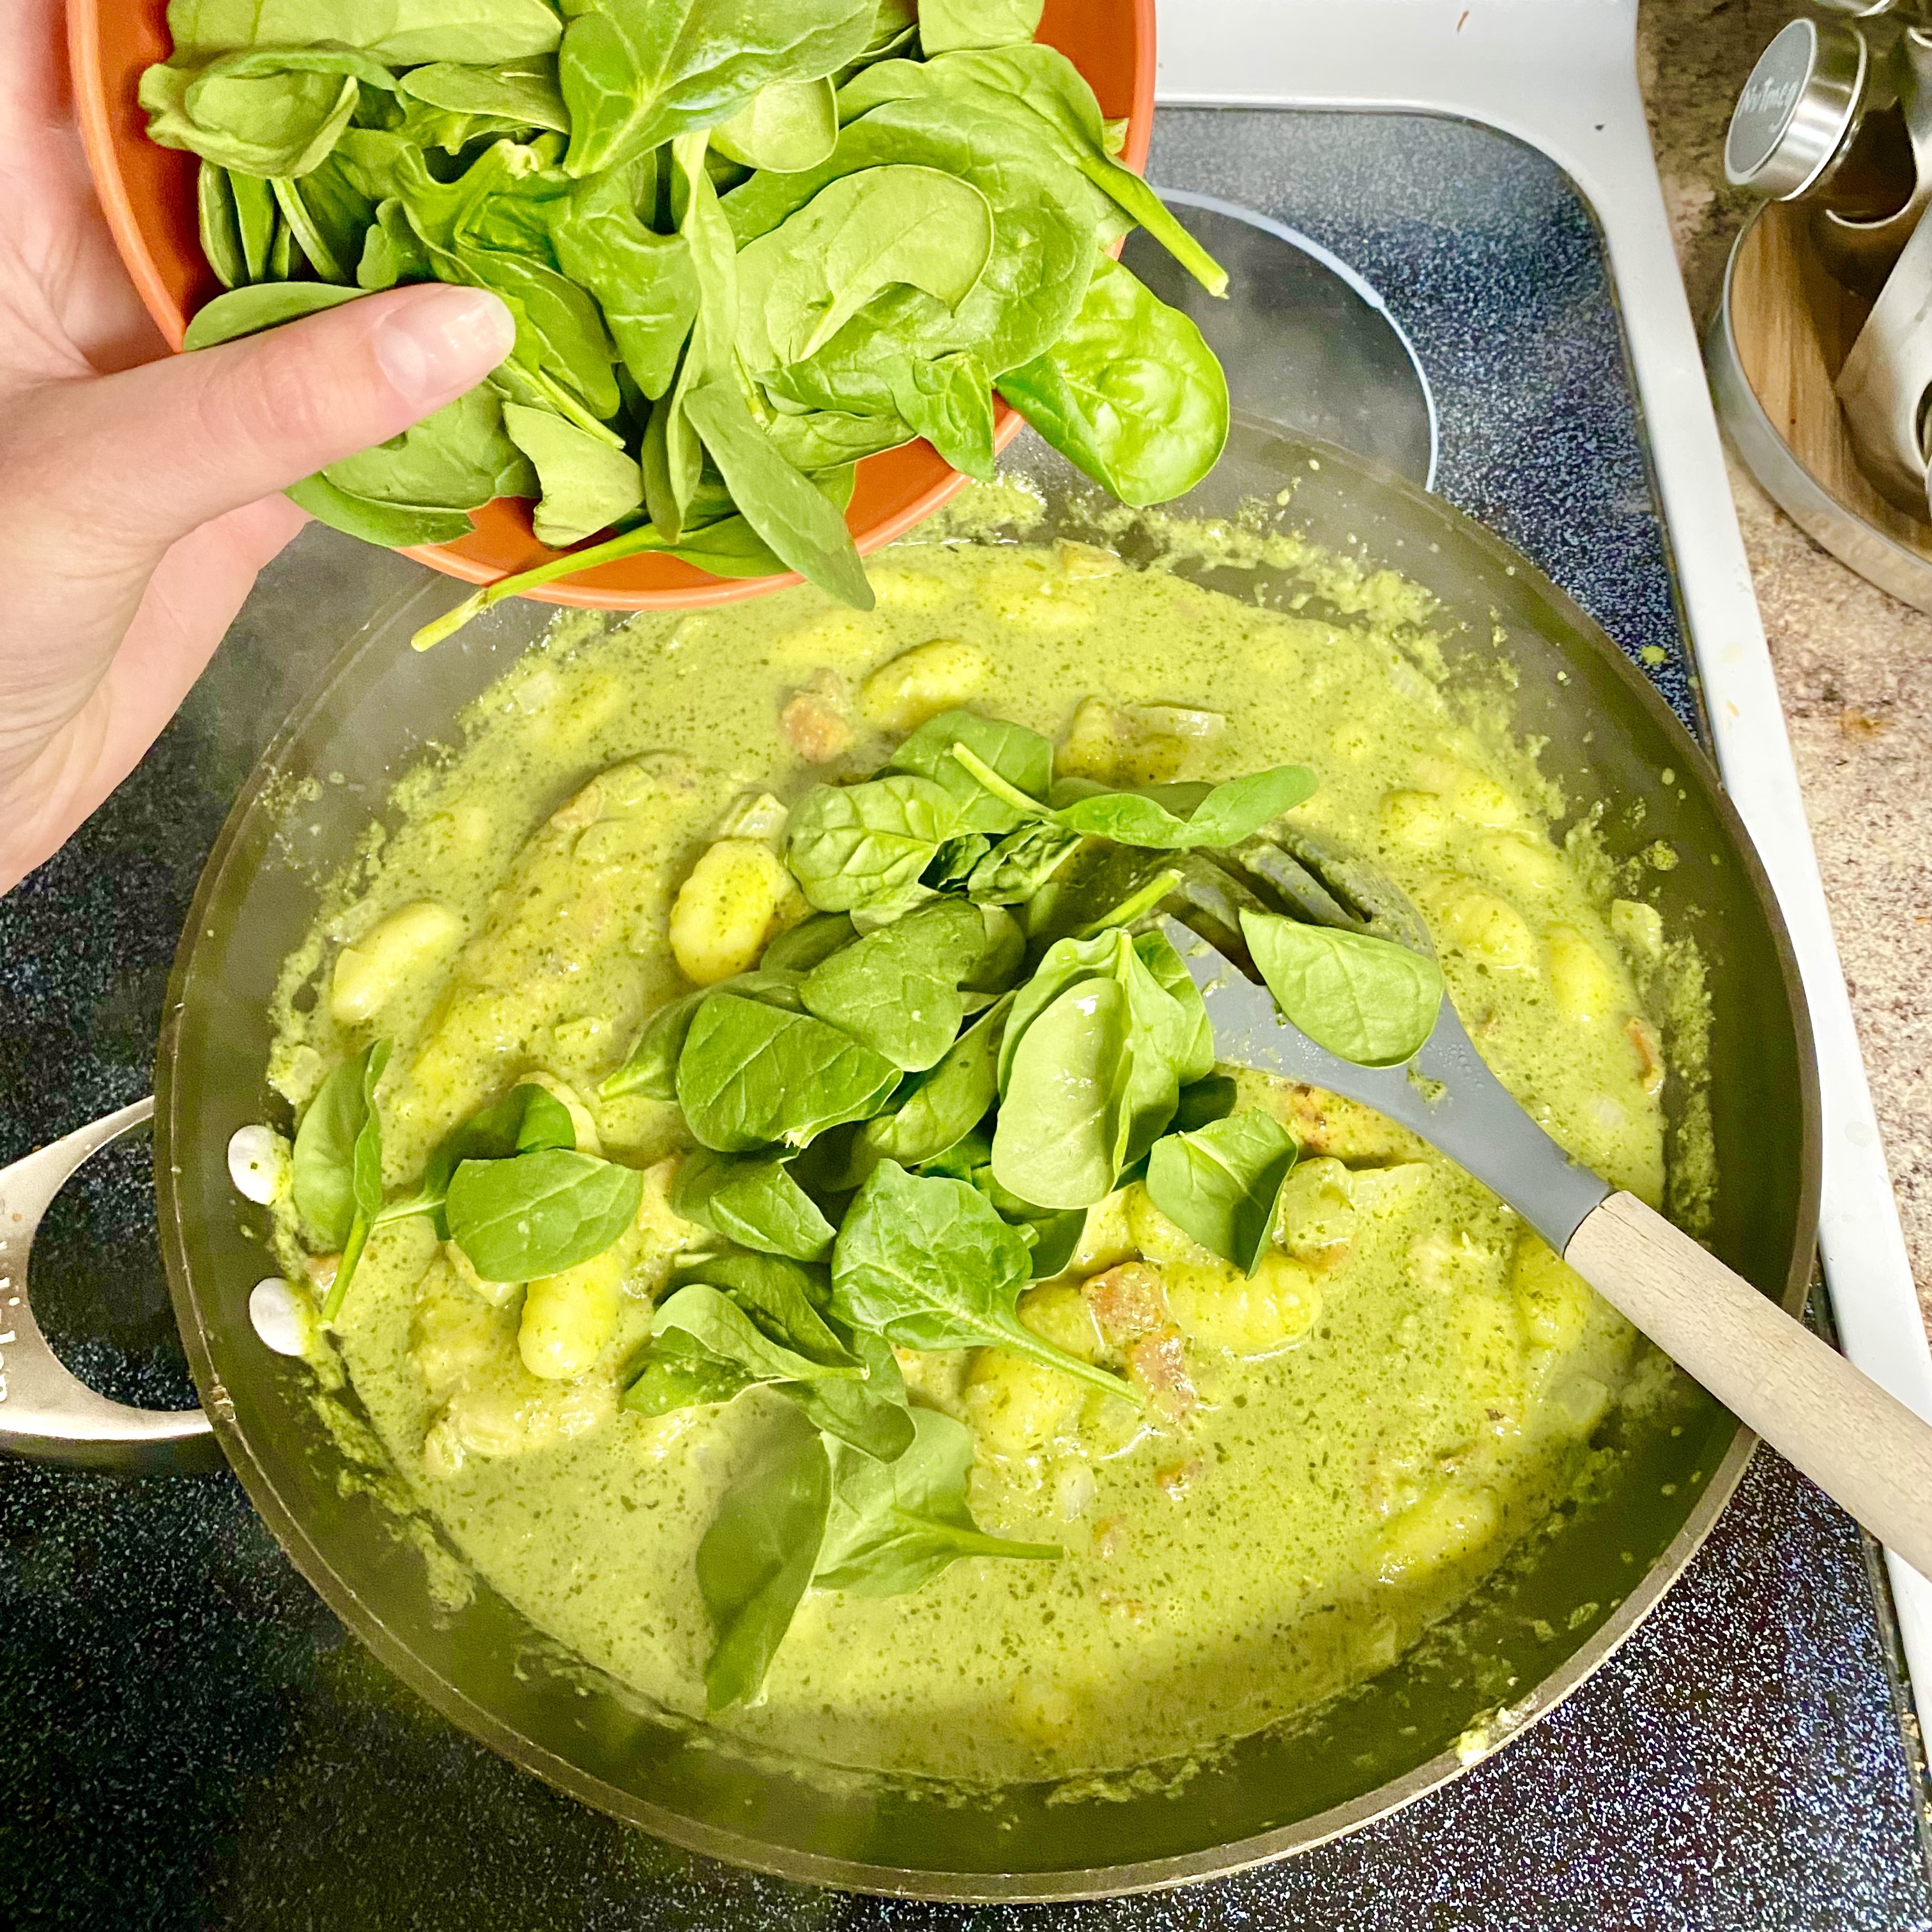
column 166, row 447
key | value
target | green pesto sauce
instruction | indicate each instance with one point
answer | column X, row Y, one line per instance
column 1322, row 1506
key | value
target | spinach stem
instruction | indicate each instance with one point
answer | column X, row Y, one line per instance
column 629, row 545
column 1010, row 794
column 352, row 1253
column 1131, row 908
column 1020, row 1339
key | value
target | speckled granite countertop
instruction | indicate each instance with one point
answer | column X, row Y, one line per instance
column 1855, row 667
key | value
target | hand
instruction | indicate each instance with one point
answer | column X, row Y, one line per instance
column 138, row 491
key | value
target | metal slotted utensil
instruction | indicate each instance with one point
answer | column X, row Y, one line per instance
column 1863, row 1448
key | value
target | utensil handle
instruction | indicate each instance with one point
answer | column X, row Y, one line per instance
column 45, row 1411
column 1862, row 1447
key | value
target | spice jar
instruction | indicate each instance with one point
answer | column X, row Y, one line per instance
column 1840, row 117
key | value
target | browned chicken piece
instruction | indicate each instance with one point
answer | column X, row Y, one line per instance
column 1157, row 1365
column 1324, row 1122
column 1110, row 1537
column 1127, row 1302
column 813, row 720
column 1642, row 1035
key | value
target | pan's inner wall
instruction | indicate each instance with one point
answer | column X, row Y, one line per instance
column 486, row 1666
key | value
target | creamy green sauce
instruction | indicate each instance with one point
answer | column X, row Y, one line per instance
column 1376, row 1430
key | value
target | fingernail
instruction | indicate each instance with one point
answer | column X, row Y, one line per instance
column 442, row 340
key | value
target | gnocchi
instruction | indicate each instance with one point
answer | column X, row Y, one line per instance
column 738, row 895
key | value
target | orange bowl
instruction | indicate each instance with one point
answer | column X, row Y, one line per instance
column 149, row 195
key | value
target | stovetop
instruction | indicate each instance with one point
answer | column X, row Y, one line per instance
column 188, row 1738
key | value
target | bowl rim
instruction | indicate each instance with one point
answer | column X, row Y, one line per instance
column 88, row 82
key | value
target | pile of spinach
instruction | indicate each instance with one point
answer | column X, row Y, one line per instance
column 744, row 247
column 899, row 1119
column 903, row 1112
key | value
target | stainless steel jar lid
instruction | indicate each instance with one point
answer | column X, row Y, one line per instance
column 1802, row 100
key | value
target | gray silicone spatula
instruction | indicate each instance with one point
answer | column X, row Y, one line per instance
column 1859, row 1445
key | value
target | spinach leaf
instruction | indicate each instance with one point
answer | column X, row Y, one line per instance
column 757, row 1557
column 948, row 401
column 942, row 1107
column 1226, row 814
column 728, row 1332
column 246, row 311
column 897, row 990
column 391, row 251
column 945, row 24
column 928, row 1264
column 1054, row 1238
column 646, row 283
column 338, row 1147
column 952, row 864
column 775, row 499
column 674, row 459
column 750, row 1076
column 787, row 125
column 1128, row 390
column 256, row 220
column 895, row 1526
column 636, row 72
column 337, row 1164
column 802, row 283
column 817, row 439
column 1046, row 83
column 400, row 32
column 1033, row 280
column 1003, row 952
column 455, row 460
column 783, row 1297
column 651, row 1069
column 1021, row 863
column 1023, row 758
column 1220, row 1183
column 850, row 846
column 586, row 484
column 1368, row 999
column 1194, row 1044
column 1213, row 1099
column 870, row 1415
column 1065, row 1115
column 522, row 92
column 1091, row 1094
column 753, row 1202
column 538, row 1213
column 528, row 1119
column 1167, row 1040
column 801, row 947
column 328, row 216
column 1064, row 963
column 267, row 112
column 216, row 224
column 399, row 525
column 678, row 1372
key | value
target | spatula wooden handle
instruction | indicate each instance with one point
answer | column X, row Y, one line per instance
column 1860, row 1445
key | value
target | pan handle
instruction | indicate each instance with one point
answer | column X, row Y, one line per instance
column 45, row 1411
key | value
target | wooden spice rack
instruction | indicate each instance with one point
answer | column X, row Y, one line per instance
column 1774, row 348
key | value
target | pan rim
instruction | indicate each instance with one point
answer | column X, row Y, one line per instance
column 748, row 1852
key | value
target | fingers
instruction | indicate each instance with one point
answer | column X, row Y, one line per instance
column 134, row 461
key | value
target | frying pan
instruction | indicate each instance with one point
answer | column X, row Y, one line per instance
column 1552, row 1614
